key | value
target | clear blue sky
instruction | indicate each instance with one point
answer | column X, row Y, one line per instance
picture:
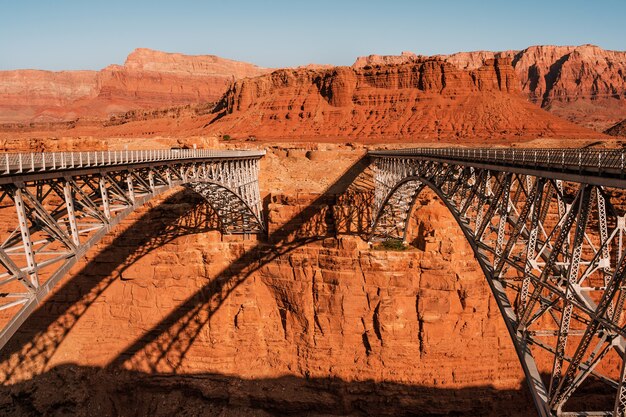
column 68, row 34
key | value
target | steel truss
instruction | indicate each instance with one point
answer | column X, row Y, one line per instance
column 552, row 251
column 54, row 208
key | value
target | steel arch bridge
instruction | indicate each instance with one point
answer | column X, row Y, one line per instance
column 55, row 206
column 547, row 228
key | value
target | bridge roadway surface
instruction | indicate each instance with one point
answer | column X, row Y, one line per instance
column 546, row 226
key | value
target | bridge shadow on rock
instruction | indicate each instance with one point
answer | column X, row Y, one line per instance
column 343, row 207
column 75, row 390
column 163, row 348
column 32, row 347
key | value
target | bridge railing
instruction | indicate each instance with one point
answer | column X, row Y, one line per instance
column 602, row 160
column 15, row 163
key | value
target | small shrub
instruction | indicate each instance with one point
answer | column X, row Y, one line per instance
column 393, row 244
column 226, row 137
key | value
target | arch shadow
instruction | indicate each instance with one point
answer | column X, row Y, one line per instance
column 212, row 191
column 35, row 343
column 167, row 343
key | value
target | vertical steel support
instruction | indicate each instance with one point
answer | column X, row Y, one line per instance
column 484, row 193
column 71, row 213
column 519, row 225
column 619, row 409
column 531, row 246
column 26, row 239
column 104, row 194
column 151, row 180
column 605, row 260
column 504, row 216
column 131, row 187
column 583, row 210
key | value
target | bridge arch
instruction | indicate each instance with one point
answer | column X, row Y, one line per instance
column 234, row 213
column 550, row 247
column 62, row 204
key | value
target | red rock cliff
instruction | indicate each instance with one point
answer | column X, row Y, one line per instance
column 148, row 79
column 427, row 98
column 585, row 84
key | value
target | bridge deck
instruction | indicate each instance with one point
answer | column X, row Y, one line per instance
column 35, row 165
column 603, row 167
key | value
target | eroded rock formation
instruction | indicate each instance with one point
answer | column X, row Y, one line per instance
column 618, row 129
column 426, row 99
column 148, row 79
column 585, row 84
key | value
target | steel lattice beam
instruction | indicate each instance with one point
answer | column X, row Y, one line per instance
column 64, row 203
column 547, row 229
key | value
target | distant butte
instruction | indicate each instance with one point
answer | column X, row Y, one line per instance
column 426, row 99
column 148, row 79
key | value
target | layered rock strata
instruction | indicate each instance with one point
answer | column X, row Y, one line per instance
column 585, row 84
column 426, row 100
column 148, row 79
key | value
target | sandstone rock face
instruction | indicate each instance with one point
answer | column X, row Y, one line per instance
column 143, row 59
column 585, row 84
column 425, row 99
column 24, row 94
column 371, row 60
column 166, row 320
column 475, row 59
column 148, row 79
column 567, row 73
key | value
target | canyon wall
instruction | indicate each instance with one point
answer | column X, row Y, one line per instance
column 584, row 84
column 148, row 79
column 166, row 316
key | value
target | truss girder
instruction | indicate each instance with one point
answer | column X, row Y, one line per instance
column 50, row 222
column 552, row 252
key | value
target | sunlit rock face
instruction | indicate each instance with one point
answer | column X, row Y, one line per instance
column 148, row 79
column 426, row 99
column 584, row 84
